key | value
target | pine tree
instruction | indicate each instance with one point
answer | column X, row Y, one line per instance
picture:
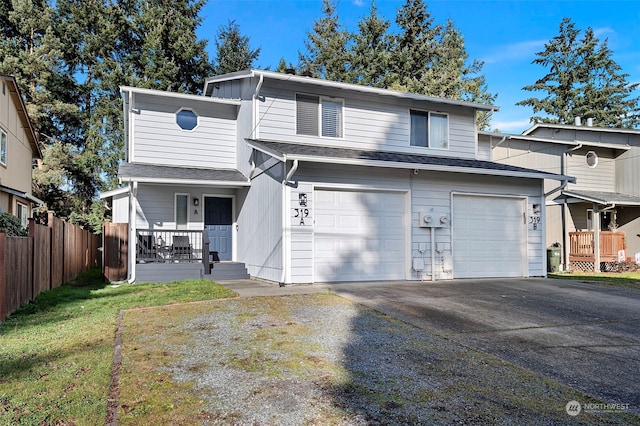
column 233, row 50
column 370, row 53
column 583, row 81
column 327, row 47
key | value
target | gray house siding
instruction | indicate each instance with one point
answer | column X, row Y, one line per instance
column 628, row 172
column 260, row 224
column 369, row 123
column 599, row 178
column 159, row 140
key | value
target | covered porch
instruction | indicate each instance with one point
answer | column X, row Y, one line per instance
column 585, row 254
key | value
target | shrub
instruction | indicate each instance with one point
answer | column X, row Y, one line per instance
column 11, row 225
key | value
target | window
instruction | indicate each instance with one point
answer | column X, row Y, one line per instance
column 186, row 119
column 182, row 210
column 317, row 116
column 592, row 159
column 22, row 214
column 3, row 147
column 429, row 130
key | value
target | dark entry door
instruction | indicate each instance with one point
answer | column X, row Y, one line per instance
column 218, row 220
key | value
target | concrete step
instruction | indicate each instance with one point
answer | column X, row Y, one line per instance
column 228, row 271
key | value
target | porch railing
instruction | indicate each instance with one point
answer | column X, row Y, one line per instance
column 582, row 246
column 153, row 245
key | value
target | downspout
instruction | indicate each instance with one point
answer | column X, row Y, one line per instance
column 565, row 233
column 501, row 141
column 285, row 182
column 256, row 109
column 133, row 201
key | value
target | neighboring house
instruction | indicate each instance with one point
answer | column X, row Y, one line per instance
column 18, row 149
column 306, row 180
column 603, row 205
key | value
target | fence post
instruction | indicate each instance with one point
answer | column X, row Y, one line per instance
column 3, row 276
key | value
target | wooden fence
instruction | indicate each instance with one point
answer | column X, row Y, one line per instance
column 50, row 255
column 115, row 244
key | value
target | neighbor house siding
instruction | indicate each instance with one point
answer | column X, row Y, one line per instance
column 159, row 140
column 17, row 172
column 260, row 224
column 370, row 123
column 599, row 178
column 628, row 172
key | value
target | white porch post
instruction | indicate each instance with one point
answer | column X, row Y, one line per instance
column 596, row 237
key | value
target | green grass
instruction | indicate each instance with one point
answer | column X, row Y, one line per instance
column 614, row 279
column 56, row 353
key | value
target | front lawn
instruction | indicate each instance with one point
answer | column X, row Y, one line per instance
column 616, row 279
column 56, row 353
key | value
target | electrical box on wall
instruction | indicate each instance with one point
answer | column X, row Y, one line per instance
column 433, row 219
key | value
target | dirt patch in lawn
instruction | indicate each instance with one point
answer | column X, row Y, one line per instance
column 319, row 359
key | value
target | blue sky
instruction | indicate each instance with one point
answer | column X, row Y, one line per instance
column 504, row 34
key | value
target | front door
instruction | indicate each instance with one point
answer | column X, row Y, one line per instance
column 217, row 223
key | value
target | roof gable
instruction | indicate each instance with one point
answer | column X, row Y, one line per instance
column 21, row 108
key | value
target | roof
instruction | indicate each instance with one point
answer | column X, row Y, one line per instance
column 152, row 173
column 208, row 88
column 22, row 194
column 12, row 85
column 114, row 192
column 183, row 96
column 323, row 154
column 571, row 143
column 605, row 198
column 584, row 128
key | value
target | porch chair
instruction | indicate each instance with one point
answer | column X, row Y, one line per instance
column 181, row 247
column 146, row 249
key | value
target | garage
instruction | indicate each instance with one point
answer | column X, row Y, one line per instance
column 488, row 236
column 359, row 235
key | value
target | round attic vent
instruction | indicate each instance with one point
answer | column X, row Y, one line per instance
column 592, row 159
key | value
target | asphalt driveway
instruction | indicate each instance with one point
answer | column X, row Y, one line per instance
column 582, row 335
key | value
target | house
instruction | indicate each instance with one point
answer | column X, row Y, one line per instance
column 304, row 180
column 18, row 149
column 598, row 216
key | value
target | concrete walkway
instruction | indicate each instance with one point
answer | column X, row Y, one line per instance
column 582, row 335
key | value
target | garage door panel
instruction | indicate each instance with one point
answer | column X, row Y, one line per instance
column 488, row 236
column 367, row 232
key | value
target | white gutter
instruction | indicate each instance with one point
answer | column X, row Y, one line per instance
column 256, row 109
column 291, row 172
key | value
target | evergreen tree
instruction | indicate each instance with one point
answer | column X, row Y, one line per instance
column 583, row 81
column 370, row 53
column 233, row 50
column 327, row 47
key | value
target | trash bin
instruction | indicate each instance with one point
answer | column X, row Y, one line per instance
column 553, row 258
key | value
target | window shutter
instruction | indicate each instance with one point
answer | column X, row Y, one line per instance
column 307, row 115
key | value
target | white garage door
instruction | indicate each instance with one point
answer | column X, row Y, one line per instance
column 359, row 236
column 488, row 236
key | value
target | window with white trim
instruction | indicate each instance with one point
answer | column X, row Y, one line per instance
column 3, row 147
column 186, row 119
column 22, row 214
column 429, row 129
column 319, row 116
column 182, row 210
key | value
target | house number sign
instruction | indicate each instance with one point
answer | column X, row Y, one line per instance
column 301, row 213
column 535, row 222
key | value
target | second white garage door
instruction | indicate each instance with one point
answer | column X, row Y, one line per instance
column 488, row 236
column 359, row 236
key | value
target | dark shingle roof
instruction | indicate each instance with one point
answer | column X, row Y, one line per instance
column 153, row 171
column 299, row 150
column 602, row 197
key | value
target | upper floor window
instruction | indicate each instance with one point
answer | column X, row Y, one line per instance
column 3, row 147
column 429, row 129
column 186, row 119
column 319, row 116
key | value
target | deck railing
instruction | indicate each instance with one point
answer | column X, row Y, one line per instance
column 166, row 245
column 582, row 246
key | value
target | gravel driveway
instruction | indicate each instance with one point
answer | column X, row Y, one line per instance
column 322, row 359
